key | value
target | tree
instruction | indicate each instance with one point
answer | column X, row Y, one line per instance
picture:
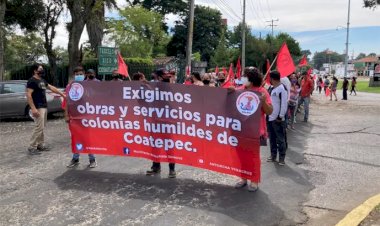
column 26, row 14
column 23, row 50
column 360, row 56
column 372, row 55
column 223, row 55
column 371, row 3
column 208, row 29
column 52, row 13
column 139, row 32
column 327, row 56
column 2, row 34
column 96, row 23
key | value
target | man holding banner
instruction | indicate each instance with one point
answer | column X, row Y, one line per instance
column 162, row 76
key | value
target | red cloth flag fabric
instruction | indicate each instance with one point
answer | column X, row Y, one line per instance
column 303, row 61
column 224, row 71
column 328, row 92
column 285, row 64
column 188, row 70
column 238, row 69
column 228, row 83
column 122, row 68
column 267, row 79
column 216, row 70
column 309, row 71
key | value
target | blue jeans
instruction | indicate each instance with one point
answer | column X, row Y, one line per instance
column 305, row 101
column 277, row 139
column 91, row 157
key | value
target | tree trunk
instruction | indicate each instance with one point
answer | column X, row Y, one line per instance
column 53, row 11
column 2, row 38
column 95, row 28
column 75, row 29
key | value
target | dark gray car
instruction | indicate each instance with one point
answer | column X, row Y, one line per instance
column 13, row 101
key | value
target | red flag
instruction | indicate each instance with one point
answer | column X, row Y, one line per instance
column 224, row 71
column 216, row 70
column 230, row 73
column 267, row 79
column 238, row 69
column 303, row 61
column 328, row 92
column 285, row 64
column 188, row 70
column 122, row 68
column 227, row 84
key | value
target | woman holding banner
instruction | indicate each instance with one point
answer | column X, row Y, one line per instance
column 252, row 80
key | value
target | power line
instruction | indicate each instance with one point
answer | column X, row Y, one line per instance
column 222, row 9
column 229, row 8
column 256, row 14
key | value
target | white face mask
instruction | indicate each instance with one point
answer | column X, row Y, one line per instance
column 245, row 81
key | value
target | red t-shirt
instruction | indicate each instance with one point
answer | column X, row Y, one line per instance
column 263, row 122
column 306, row 87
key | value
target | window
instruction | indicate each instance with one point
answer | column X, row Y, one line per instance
column 13, row 88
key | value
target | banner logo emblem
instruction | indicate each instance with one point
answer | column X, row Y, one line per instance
column 76, row 91
column 247, row 103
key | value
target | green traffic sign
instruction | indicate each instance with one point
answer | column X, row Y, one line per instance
column 107, row 60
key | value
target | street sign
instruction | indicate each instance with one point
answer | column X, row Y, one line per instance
column 107, row 60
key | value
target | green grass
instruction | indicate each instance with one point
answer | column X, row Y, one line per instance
column 361, row 86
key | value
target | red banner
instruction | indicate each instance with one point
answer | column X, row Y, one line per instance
column 204, row 127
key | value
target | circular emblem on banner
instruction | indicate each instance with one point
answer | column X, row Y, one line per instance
column 76, row 91
column 247, row 103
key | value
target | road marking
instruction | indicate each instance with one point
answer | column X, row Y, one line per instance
column 358, row 214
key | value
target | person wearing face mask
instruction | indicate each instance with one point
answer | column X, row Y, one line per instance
column 162, row 76
column 221, row 79
column 206, row 79
column 252, row 80
column 78, row 77
column 116, row 76
column 91, row 75
column 293, row 100
column 36, row 96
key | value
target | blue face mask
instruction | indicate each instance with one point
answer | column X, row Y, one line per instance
column 79, row 78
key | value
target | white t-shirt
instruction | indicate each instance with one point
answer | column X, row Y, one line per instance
column 280, row 105
column 287, row 84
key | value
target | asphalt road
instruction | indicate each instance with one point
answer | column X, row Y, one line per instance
column 333, row 164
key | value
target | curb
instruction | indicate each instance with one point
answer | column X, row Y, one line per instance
column 357, row 215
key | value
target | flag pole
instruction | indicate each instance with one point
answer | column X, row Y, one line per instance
column 269, row 69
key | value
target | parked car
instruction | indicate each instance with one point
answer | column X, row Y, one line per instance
column 13, row 100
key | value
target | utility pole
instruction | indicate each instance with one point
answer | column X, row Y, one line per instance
column 189, row 46
column 272, row 24
column 348, row 31
column 243, row 39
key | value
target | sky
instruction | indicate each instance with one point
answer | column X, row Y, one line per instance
column 313, row 23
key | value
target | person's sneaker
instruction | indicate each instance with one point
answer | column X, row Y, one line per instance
column 252, row 187
column 33, row 151
column 271, row 159
column 305, row 120
column 93, row 164
column 241, row 184
column 281, row 163
column 43, row 148
column 172, row 174
column 72, row 163
column 153, row 172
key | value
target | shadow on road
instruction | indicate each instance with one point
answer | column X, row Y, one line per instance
column 247, row 208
